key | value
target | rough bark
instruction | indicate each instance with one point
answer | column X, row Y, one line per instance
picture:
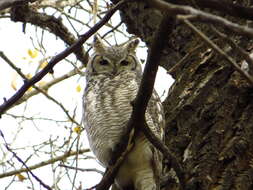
column 209, row 107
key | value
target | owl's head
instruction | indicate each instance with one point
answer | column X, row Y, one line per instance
column 113, row 60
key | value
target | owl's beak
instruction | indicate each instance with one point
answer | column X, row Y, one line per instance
column 115, row 71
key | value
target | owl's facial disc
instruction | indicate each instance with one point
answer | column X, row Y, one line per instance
column 128, row 63
column 114, row 60
column 100, row 65
column 113, row 65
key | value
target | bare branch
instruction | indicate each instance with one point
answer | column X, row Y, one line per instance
column 137, row 118
column 230, row 8
column 27, row 84
column 166, row 153
column 55, row 4
column 43, row 87
column 59, row 104
column 24, row 164
column 82, row 169
column 147, row 84
column 9, row 3
column 25, row 14
column 241, row 51
column 218, row 50
column 38, row 89
column 44, row 163
column 50, row 84
column 201, row 16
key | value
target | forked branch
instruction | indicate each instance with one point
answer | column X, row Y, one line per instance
column 49, row 67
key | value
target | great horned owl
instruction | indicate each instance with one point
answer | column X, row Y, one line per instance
column 113, row 77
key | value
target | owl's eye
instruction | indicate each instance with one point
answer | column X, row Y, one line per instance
column 124, row 63
column 103, row 62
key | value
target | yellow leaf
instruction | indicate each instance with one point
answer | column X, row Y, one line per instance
column 20, row 177
column 32, row 53
column 77, row 129
column 78, row 88
column 14, row 81
column 43, row 65
column 42, row 83
column 29, row 89
column 14, row 84
column 28, row 76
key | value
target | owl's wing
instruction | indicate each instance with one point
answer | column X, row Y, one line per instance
column 156, row 121
column 155, row 116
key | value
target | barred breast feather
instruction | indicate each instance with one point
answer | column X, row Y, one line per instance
column 109, row 109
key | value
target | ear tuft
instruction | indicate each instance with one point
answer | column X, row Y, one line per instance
column 98, row 44
column 132, row 45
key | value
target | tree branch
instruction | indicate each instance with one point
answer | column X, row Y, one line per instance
column 27, row 84
column 23, row 13
column 43, row 87
column 147, row 85
column 218, row 50
column 137, row 118
column 200, row 16
column 49, row 84
column 82, row 169
column 24, row 164
column 38, row 89
column 240, row 50
column 232, row 9
column 4, row 4
column 44, row 163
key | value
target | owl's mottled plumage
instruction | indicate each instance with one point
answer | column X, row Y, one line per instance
column 113, row 77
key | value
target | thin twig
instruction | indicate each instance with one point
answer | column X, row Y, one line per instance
column 59, row 104
column 217, row 49
column 38, row 89
column 49, row 67
column 44, row 163
column 147, row 84
column 241, row 51
column 25, row 14
column 201, row 16
column 137, row 118
column 50, row 84
column 9, row 3
column 175, row 67
column 82, row 169
column 231, row 8
column 24, row 164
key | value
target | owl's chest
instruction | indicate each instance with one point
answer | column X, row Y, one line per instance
column 107, row 110
column 110, row 99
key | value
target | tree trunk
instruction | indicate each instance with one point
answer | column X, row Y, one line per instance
column 209, row 123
